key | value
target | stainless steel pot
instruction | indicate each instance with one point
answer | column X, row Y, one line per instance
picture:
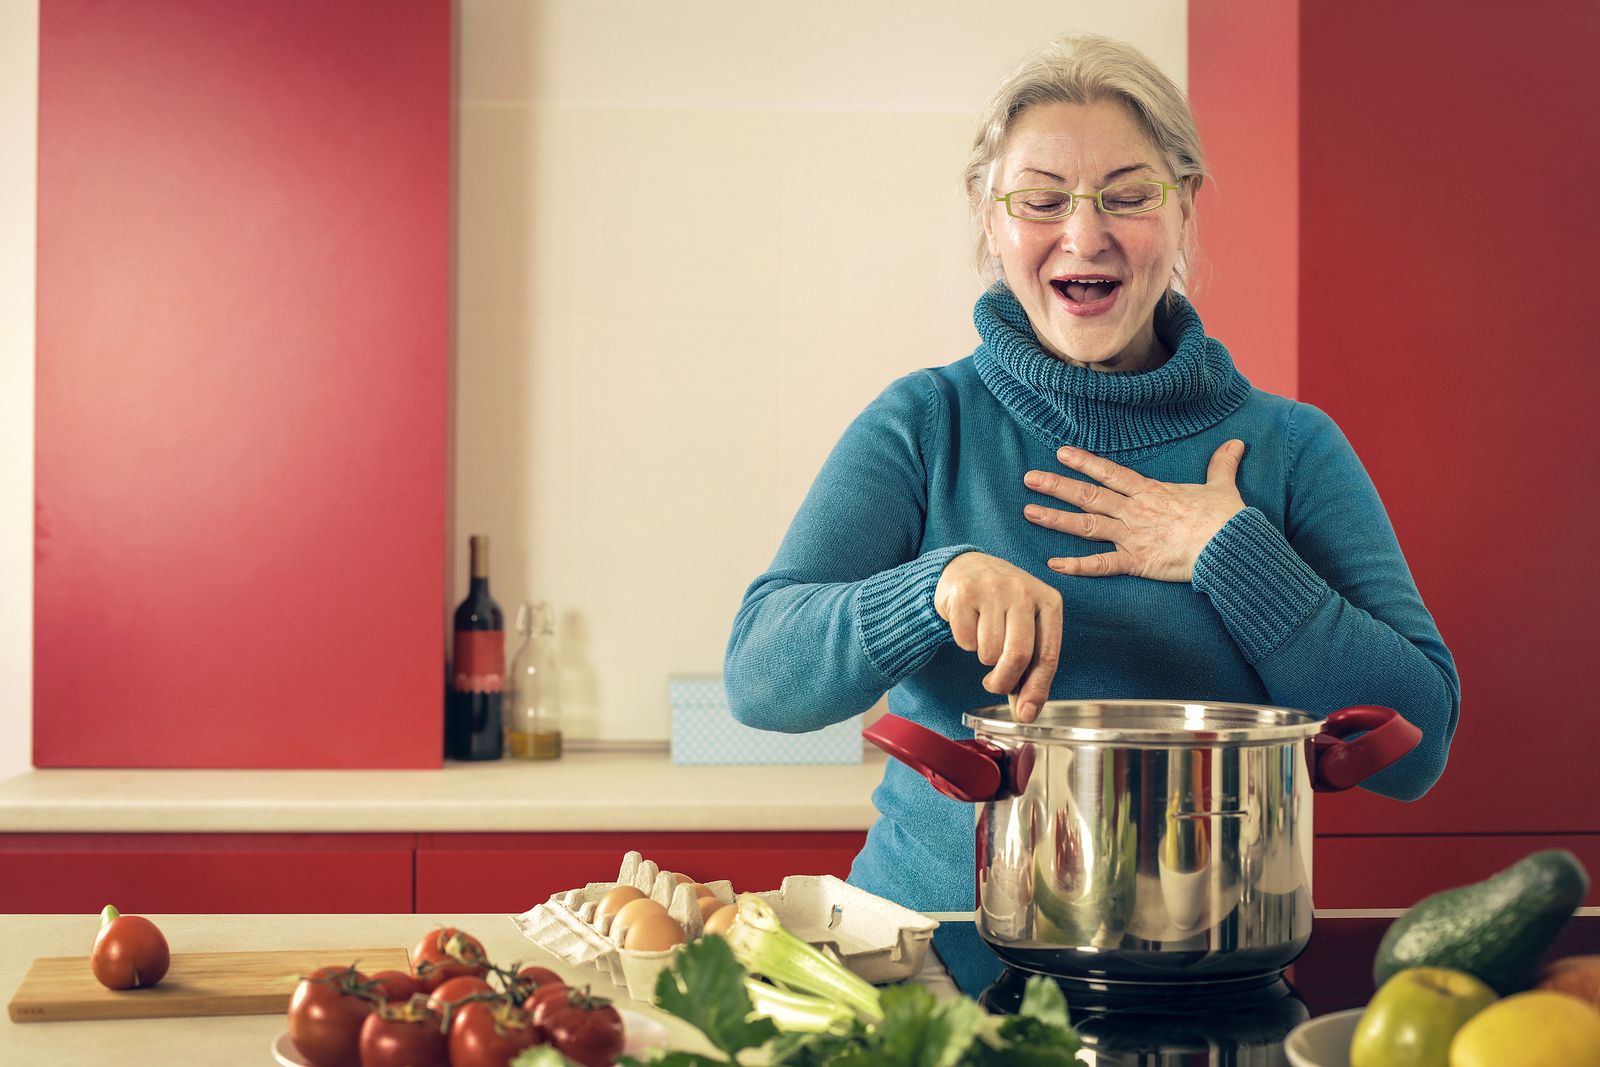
column 1148, row 841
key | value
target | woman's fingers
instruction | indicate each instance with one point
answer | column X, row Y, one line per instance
column 1035, row 689
column 1018, row 651
column 1081, row 494
column 1096, row 565
column 1011, row 619
column 991, row 634
column 1079, row 524
column 1224, row 465
column 1112, row 475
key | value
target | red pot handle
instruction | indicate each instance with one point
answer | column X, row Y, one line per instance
column 965, row 770
column 1337, row 764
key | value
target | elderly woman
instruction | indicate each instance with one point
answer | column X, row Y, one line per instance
column 1094, row 504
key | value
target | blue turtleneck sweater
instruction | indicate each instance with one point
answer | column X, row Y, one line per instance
column 1303, row 600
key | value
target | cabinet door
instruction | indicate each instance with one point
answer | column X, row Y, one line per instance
column 206, row 873
column 243, row 360
column 513, row 872
column 1398, row 871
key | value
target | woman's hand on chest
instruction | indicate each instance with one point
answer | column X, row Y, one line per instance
column 1158, row 528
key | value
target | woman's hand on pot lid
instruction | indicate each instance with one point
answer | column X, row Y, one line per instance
column 1158, row 528
column 1011, row 619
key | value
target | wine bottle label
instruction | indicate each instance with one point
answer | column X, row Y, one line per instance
column 480, row 661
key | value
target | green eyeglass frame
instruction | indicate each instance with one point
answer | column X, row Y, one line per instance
column 1073, row 198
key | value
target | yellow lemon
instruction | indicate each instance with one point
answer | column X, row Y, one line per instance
column 1537, row 1029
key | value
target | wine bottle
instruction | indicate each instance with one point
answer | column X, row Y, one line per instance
column 474, row 717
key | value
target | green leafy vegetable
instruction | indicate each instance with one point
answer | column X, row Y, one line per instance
column 705, row 988
column 909, row 1027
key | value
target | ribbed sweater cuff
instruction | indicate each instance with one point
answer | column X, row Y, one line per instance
column 1259, row 586
column 900, row 629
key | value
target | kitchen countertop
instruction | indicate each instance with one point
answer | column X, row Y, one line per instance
column 581, row 792
column 1333, row 974
column 248, row 1039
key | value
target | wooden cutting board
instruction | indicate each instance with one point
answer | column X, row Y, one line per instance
column 62, row 988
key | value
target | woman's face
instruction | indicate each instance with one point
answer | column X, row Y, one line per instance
column 1083, row 148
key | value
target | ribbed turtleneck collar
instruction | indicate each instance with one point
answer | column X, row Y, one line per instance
column 1104, row 412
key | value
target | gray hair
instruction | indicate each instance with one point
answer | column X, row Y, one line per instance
column 1086, row 69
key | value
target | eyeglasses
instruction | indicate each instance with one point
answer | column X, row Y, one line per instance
column 1130, row 198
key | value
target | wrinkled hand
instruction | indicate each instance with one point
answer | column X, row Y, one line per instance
column 1011, row 619
column 1159, row 528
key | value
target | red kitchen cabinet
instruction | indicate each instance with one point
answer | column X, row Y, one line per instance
column 378, row 873
column 1457, row 402
column 513, row 872
column 243, row 367
column 1398, row 871
column 206, row 873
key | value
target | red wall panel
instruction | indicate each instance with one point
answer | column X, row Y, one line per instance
column 243, row 287
column 1446, row 324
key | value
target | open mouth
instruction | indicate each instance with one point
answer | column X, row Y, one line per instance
column 1084, row 292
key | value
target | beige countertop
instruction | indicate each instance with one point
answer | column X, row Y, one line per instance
column 581, row 792
column 248, row 1039
column 236, row 1039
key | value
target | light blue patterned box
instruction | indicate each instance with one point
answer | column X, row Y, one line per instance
column 705, row 731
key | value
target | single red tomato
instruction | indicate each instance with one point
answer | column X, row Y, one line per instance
column 540, row 976
column 396, row 987
column 326, row 1014
column 453, row 994
column 404, row 1035
column 584, row 1028
column 544, row 999
column 445, row 953
column 129, row 951
column 491, row 1038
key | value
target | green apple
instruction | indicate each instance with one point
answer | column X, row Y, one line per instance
column 1411, row 1020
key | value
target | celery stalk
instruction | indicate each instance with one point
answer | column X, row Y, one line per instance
column 798, row 1011
column 764, row 947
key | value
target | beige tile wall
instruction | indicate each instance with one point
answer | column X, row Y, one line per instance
column 680, row 277
column 19, row 104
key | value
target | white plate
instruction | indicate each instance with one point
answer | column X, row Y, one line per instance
column 639, row 1032
column 1323, row 1041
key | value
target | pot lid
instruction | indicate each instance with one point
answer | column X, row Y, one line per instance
column 1149, row 723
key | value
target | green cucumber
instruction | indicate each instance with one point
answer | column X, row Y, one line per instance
column 1496, row 929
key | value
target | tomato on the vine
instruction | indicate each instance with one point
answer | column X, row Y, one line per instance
column 542, row 1000
column 445, row 953
column 539, row 976
column 584, row 1028
column 481, row 1037
column 396, row 987
column 326, row 1014
column 453, row 995
column 403, row 1035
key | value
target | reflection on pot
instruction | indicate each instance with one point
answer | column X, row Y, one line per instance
column 1153, row 864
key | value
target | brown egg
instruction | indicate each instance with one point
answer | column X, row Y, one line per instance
column 653, row 932
column 719, row 920
column 699, row 890
column 709, row 905
column 631, row 912
column 614, row 899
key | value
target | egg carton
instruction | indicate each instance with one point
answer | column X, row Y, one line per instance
column 875, row 938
